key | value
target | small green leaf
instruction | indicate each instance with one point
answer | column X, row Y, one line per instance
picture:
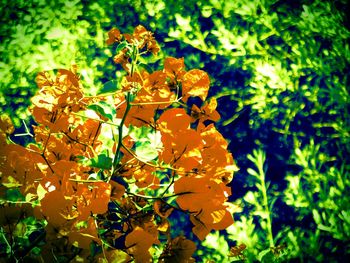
column 121, row 46
column 109, row 86
column 36, row 251
column 14, row 195
column 93, row 176
column 104, row 109
column 30, row 197
column 252, row 172
column 316, row 216
column 102, row 161
column 11, row 182
column 266, row 256
column 324, row 228
column 146, row 67
column 249, row 197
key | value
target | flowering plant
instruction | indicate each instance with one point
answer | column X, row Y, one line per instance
column 108, row 171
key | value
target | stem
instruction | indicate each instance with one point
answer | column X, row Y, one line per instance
column 135, row 156
column 6, row 241
column 47, row 162
column 153, row 165
column 86, row 181
column 102, row 241
column 157, row 197
column 265, row 200
column 94, row 119
column 47, row 140
column 117, row 155
column 169, row 185
column 155, row 103
column 98, row 129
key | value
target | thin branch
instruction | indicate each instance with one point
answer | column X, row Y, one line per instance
column 48, row 138
column 75, row 140
column 86, row 181
column 155, row 102
column 95, row 119
column 158, row 197
column 137, row 158
column 169, row 185
column 97, row 131
column 47, row 162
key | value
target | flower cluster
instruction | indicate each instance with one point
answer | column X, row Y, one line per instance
column 111, row 169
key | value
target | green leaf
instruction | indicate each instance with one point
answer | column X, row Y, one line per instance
column 249, row 197
column 252, row 172
column 101, row 161
column 146, row 67
column 109, row 86
column 266, row 256
column 14, row 195
column 11, row 182
column 121, row 46
column 36, row 251
column 104, row 109
column 145, row 151
column 140, row 133
column 324, row 228
column 316, row 216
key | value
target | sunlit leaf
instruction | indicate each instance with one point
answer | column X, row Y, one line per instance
column 104, row 109
column 145, row 151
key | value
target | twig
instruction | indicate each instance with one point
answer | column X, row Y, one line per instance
column 95, row 119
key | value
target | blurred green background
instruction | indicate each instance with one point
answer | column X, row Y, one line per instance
column 280, row 71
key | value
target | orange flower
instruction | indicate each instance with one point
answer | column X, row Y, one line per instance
column 174, row 120
column 58, row 213
column 140, row 33
column 145, row 177
column 162, row 209
column 81, row 236
column 56, row 99
column 114, row 36
column 153, row 47
column 182, row 149
column 196, row 84
column 201, row 228
column 139, row 115
column 217, row 161
column 93, row 201
column 138, row 243
column 204, row 198
column 180, row 250
column 144, row 38
column 155, row 89
column 206, row 112
column 174, row 68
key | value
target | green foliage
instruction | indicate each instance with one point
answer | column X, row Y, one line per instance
column 43, row 35
column 318, row 192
